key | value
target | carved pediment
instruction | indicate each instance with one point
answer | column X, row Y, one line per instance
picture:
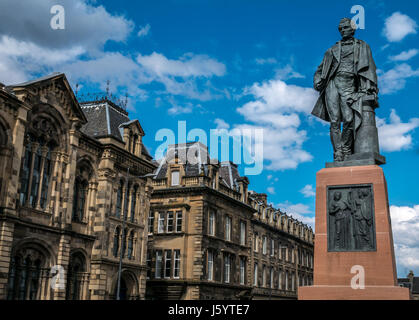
column 53, row 90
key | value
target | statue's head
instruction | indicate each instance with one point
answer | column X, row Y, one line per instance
column 337, row 195
column 347, row 28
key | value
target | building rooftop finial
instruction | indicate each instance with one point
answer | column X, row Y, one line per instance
column 107, row 88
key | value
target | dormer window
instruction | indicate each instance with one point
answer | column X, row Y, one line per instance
column 175, row 178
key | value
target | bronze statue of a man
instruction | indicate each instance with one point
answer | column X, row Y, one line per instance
column 345, row 78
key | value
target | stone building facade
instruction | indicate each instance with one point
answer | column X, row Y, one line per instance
column 68, row 206
column 211, row 238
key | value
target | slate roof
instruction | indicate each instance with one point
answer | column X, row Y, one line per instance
column 228, row 171
column 104, row 118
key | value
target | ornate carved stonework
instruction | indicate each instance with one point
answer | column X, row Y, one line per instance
column 350, row 213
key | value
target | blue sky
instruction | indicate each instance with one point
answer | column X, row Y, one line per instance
column 235, row 64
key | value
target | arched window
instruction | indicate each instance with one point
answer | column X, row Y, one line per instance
column 84, row 175
column 24, row 174
column 79, row 201
column 41, row 139
column 119, row 199
column 24, row 277
column 116, row 242
column 133, row 203
column 36, row 179
column 76, row 268
column 46, row 174
column 131, row 245
column 124, row 241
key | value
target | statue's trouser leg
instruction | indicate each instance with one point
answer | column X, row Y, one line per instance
column 345, row 86
column 332, row 100
column 347, row 130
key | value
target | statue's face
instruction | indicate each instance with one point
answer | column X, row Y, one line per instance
column 346, row 30
column 338, row 195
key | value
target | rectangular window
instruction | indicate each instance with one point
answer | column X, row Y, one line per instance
column 256, row 244
column 158, row 271
column 255, row 275
column 210, row 265
column 175, row 178
column 176, row 270
column 151, row 223
column 242, row 270
column 242, row 233
column 167, row 263
column 228, row 228
column 264, row 243
column 211, row 223
column 148, row 264
column 227, row 265
column 264, row 276
column 271, row 281
column 169, row 222
column 272, row 247
column 179, row 221
column 161, row 223
column 279, row 279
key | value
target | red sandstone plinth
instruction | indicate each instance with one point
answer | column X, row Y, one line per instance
column 332, row 270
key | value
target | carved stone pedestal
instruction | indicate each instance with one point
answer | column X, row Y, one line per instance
column 353, row 251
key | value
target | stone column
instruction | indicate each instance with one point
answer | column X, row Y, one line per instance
column 34, row 147
column 63, row 260
column 18, row 142
column 6, row 240
column 44, row 151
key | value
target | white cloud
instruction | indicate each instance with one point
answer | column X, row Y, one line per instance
column 144, row 31
column 271, row 190
column 262, row 61
column 275, row 108
column 398, row 26
column 287, row 72
column 188, row 65
column 308, row 191
column 181, row 76
column 405, row 55
column 282, row 148
column 221, row 124
column 277, row 97
column 29, row 48
column 298, row 211
column 86, row 24
column 396, row 135
column 174, row 110
column 18, row 59
column 405, row 225
column 129, row 76
column 394, row 79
